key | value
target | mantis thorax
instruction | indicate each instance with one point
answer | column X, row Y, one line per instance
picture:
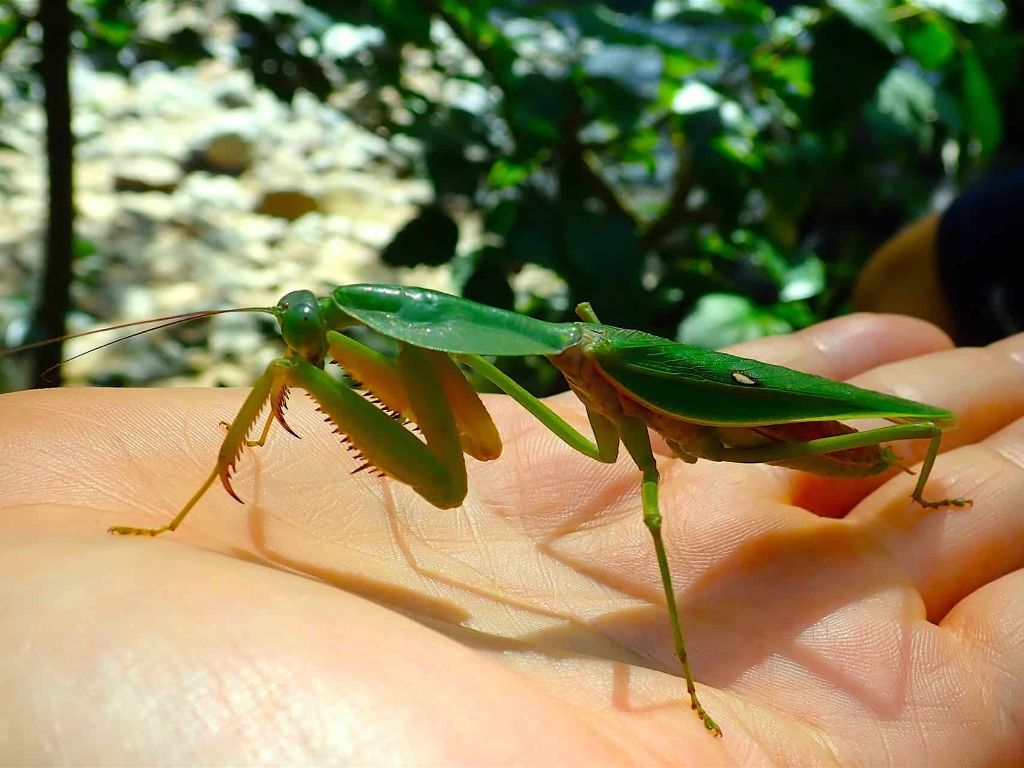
column 590, row 384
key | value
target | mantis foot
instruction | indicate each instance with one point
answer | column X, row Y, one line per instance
column 127, row 530
column 959, row 501
column 710, row 724
column 225, row 425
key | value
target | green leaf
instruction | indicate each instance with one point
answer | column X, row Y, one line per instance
column 8, row 24
column 933, row 44
column 873, row 17
column 534, row 230
column 507, row 173
column 605, row 264
column 409, row 18
column 537, row 105
column 488, row 282
column 82, row 247
column 116, row 33
column 847, row 65
column 795, row 72
column 968, row 11
column 909, row 101
column 983, row 117
column 739, row 149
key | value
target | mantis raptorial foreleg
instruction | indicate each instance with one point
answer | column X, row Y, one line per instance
column 230, row 449
column 435, row 469
column 381, row 375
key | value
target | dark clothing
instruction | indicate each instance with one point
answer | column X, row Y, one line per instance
column 980, row 239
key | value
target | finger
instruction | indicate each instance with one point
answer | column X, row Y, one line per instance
column 983, row 387
column 847, row 346
column 949, row 553
column 990, row 624
column 841, row 348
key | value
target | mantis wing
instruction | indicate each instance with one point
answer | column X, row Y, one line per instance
column 708, row 387
column 439, row 321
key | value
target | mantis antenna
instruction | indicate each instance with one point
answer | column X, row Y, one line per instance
column 167, row 321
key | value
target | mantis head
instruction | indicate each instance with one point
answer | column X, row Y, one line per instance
column 303, row 326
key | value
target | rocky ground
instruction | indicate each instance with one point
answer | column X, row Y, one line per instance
column 195, row 190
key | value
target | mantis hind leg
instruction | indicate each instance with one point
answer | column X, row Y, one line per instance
column 922, row 478
column 713, row 449
column 635, row 438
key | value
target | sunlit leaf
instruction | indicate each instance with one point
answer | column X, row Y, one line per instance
column 695, row 97
column 720, row 319
column 968, row 11
column 636, row 68
column 803, row 280
column 909, row 101
column 507, row 173
column 739, row 149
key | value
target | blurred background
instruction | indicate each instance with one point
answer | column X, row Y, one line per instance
column 708, row 170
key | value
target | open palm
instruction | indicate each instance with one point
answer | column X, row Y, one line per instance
column 338, row 618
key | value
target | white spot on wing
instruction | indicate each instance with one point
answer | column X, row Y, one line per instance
column 742, row 378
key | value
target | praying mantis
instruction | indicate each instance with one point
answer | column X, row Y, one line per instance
column 423, row 415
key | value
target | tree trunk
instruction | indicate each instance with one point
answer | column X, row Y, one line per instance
column 54, row 301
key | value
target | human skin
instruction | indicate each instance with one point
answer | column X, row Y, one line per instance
column 340, row 619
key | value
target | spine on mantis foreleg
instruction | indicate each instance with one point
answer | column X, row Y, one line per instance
column 270, row 385
column 384, row 443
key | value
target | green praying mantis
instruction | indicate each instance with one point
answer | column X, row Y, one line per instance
column 705, row 404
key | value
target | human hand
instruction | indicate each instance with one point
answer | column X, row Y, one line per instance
column 341, row 619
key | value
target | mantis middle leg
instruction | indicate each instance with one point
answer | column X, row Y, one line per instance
column 638, row 443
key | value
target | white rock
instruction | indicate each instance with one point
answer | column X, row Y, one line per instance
column 202, row 192
column 146, row 174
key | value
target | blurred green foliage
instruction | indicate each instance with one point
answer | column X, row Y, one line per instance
column 709, row 170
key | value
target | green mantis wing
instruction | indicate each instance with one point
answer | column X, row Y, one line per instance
column 697, row 385
column 707, row 387
column 439, row 321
